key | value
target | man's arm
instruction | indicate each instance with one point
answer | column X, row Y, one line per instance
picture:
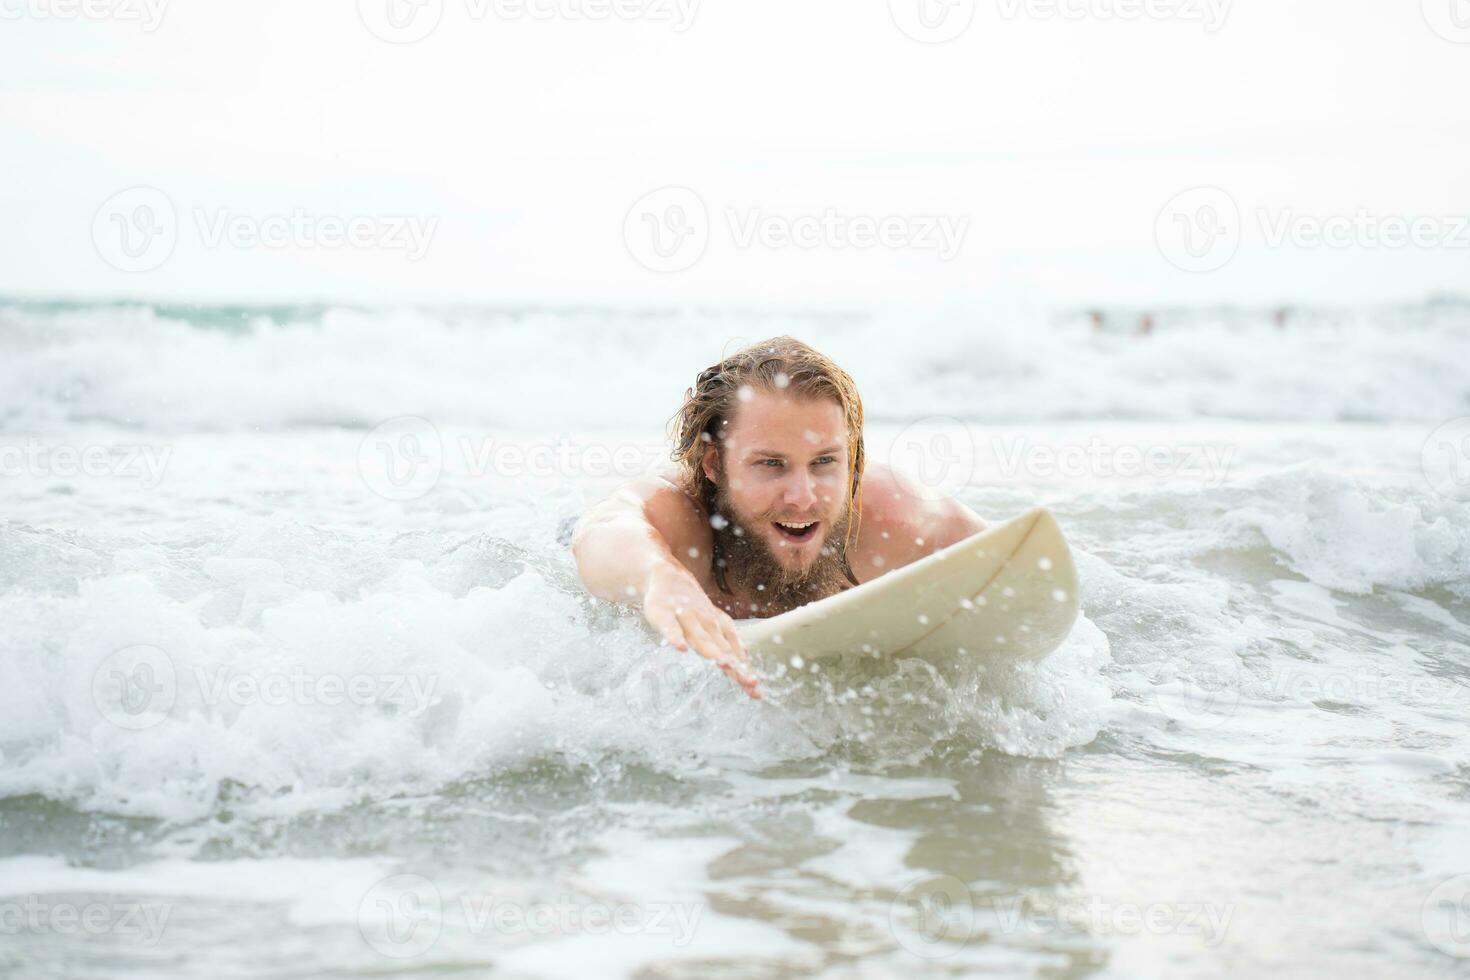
column 629, row 548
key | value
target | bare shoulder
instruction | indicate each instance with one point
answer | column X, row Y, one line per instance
column 659, row 500
column 901, row 523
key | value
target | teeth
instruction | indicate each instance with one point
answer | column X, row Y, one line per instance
column 796, row 527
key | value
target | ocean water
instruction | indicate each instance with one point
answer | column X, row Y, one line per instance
column 295, row 679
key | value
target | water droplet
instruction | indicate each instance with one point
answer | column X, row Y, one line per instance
column 745, row 393
column 923, row 620
column 796, row 662
column 1059, row 595
column 1044, row 564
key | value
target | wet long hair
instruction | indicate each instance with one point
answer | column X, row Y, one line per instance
column 782, row 365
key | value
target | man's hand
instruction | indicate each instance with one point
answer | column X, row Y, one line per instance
column 676, row 606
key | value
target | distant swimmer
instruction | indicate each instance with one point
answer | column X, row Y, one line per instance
column 770, row 505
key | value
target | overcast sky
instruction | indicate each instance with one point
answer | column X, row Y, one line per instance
column 821, row 153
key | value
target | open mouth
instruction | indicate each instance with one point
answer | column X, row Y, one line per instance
column 796, row 531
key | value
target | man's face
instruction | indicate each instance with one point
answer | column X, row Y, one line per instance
column 784, row 478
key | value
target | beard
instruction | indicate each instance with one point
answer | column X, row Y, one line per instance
column 749, row 562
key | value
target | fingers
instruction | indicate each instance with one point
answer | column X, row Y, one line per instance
column 711, row 641
column 727, row 626
column 668, row 627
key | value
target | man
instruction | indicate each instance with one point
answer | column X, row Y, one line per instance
column 772, row 506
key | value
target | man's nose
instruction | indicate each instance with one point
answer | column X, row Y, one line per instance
column 801, row 491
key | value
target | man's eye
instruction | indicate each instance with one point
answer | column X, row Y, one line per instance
column 770, row 462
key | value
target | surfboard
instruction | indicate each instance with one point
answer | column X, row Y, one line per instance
column 1008, row 591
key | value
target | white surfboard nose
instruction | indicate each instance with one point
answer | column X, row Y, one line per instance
column 1010, row 591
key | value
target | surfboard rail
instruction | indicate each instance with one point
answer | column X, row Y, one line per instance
column 1009, row 590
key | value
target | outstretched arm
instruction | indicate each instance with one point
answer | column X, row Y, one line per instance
column 626, row 549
